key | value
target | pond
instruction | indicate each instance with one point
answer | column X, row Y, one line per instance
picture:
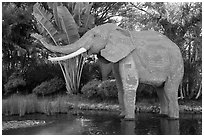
column 107, row 123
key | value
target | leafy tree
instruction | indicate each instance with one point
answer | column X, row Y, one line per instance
column 20, row 55
column 105, row 11
column 16, row 25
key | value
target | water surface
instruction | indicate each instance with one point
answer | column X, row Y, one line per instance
column 108, row 123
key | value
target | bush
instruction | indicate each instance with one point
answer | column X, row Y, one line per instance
column 146, row 91
column 36, row 74
column 108, row 89
column 52, row 86
column 14, row 85
column 100, row 90
column 90, row 71
column 91, row 88
column 29, row 77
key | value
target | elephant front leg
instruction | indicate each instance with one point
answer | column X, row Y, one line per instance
column 119, row 85
column 130, row 82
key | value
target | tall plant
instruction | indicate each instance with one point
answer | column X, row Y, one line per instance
column 62, row 26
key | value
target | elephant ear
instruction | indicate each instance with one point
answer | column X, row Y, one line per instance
column 119, row 45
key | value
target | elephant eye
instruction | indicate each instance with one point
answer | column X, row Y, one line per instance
column 96, row 35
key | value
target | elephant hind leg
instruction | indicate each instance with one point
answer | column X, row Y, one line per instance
column 171, row 94
column 163, row 101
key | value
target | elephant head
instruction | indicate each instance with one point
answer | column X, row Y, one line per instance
column 108, row 40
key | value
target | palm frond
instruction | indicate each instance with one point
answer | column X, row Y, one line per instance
column 68, row 24
column 43, row 17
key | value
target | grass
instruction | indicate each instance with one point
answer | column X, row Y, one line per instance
column 21, row 105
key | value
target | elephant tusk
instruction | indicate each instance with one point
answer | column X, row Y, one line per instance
column 74, row 54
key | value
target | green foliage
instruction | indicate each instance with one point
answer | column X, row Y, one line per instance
column 93, row 70
column 18, row 53
column 108, row 89
column 14, row 84
column 68, row 24
column 90, row 90
column 90, row 71
column 105, row 11
column 25, row 81
column 21, row 105
column 59, row 27
column 44, row 24
column 59, row 105
column 49, row 87
column 181, row 22
column 16, row 44
column 36, row 74
column 65, row 30
column 100, row 90
column 145, row 91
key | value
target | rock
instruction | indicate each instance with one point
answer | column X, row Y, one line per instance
column 21, row 124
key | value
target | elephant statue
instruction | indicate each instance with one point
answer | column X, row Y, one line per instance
column 136, row 57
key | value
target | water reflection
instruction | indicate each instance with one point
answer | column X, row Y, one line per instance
column 128, row 127
column 169, row 126
column 89, row 124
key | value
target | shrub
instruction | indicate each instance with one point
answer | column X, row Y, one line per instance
column 48, row 87
column 91, row 88
column 146, row 91
column 108, row 89
column 14, row 85
column 90, row 71
column 98, row 89
column 38, row 73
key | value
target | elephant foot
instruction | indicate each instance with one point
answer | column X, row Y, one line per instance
column 163, row 115
column 126, row 118
column 173, row 118
column 129, row 119
column 122, row 115
column 163, row 111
